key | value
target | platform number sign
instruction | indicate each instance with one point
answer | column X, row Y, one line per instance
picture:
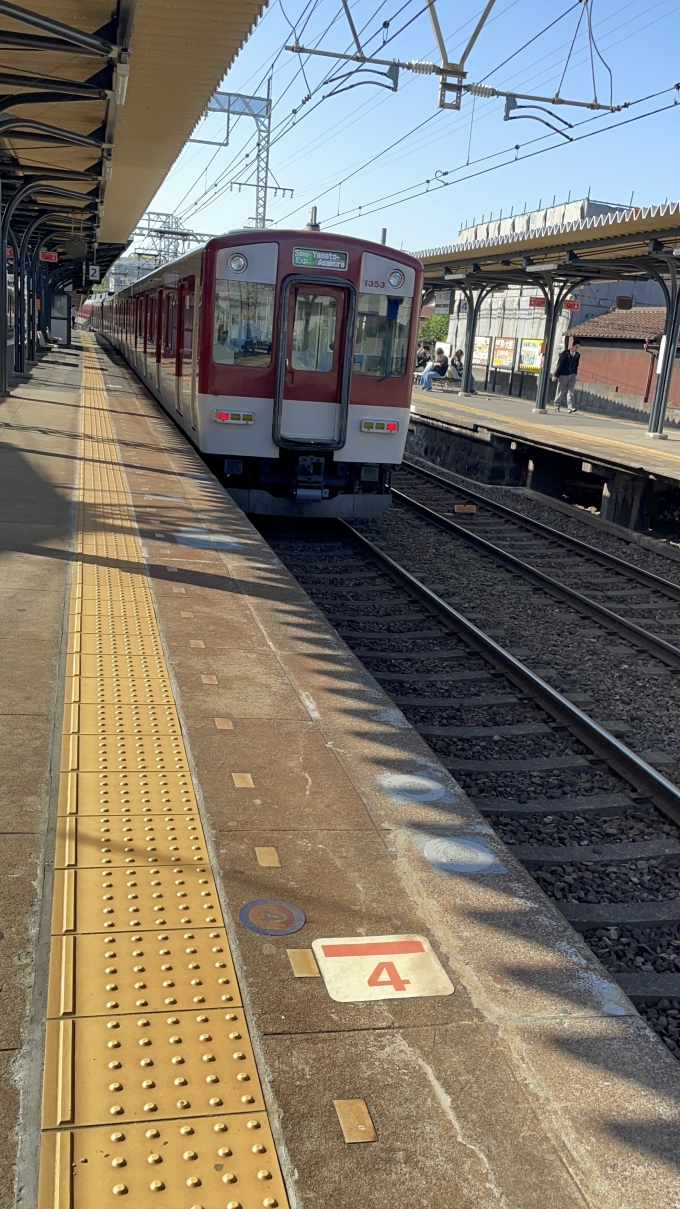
column 360, row 968
column 94, row 272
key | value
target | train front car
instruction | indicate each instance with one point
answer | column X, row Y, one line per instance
column 307, row 343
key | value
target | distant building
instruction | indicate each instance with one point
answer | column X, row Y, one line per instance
column 129, row 269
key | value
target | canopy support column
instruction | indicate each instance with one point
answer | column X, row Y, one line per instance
column 553, row 309
column 666, row 359
column 474, row 308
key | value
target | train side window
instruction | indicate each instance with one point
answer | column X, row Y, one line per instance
column 314, row 332
column 188, row 326
column 381, row 336
column 244, row 323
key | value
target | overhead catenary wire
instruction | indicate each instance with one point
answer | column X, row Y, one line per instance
column 239, row 161
column 373, row 158
column 195, row 207
column 216, row 189
column 311, row 5
column 437, row 183
column 278, row 133
column 488, row 106
column 210, row 195
column 594, row 46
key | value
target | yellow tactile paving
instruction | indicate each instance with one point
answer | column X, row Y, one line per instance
column 151, row 1091
column 127, row 791
column 137, row 970
column 122, row 898
column 230, row 1162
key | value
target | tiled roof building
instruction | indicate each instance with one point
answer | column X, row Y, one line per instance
column 639, row 326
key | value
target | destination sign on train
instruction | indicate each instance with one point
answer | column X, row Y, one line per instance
column 319, row 258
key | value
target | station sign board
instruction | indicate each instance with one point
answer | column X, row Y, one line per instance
column 357, row 969
column 94, row 272
column 504, row 352
column 442, row 302
column 480, row 351
column 571, row 304
column 530, row 356
column 49, row 257
column 537, row 300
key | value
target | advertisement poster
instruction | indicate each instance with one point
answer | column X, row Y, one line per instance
column 480, row 352
column 530, row 356
column 504, row 352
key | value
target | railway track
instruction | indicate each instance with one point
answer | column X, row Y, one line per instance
column 596, row 824
column 635, row 603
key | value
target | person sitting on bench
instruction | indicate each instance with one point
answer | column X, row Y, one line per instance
column 434, row 370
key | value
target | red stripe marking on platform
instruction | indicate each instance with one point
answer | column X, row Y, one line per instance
column 373, row 948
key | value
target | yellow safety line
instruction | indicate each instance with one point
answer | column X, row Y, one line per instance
column 151, row 1093
column 492, row 417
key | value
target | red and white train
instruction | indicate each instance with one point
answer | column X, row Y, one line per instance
column 287, row 359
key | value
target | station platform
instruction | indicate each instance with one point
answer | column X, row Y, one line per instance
column 585, row 433
column 230, row 977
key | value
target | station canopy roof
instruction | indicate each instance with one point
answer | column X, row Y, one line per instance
column 621, row 244
column 95, row 108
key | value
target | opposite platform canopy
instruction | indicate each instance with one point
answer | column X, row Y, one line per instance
column 623, row 243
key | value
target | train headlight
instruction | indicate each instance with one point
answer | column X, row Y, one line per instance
column 238, row 263
column 382, row 426
column 396, row 278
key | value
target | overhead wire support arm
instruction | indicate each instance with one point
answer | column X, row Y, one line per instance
column 475, row 33
column 353, row 27
column 439, row 37
column 415, row 65
column 485, row 90
column 435, row 69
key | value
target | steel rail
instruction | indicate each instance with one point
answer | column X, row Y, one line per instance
column 573, row 543
column 663, row 650
column 616, row 755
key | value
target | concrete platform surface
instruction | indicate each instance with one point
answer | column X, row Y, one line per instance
column 592, row 436
column 534, row 1085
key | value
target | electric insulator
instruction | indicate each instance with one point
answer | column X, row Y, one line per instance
column 480, row 90
column 422, row 68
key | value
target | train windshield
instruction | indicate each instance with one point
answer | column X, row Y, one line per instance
column 314, row 332
column 381, row 336
column 244, row 322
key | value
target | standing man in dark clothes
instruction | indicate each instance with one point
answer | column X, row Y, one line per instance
column 565, row 376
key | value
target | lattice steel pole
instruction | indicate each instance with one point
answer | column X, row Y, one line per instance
column 264, row 124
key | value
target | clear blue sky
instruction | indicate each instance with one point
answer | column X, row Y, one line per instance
column 333, row 151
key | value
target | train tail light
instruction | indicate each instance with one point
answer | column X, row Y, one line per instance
column 383, row 426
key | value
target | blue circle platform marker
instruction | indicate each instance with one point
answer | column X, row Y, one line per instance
column 271, row 917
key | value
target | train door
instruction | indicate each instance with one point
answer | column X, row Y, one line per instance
column 145, row 334
column 168, row 365
column 185, row 347
column 316, row 322
column 158, row 338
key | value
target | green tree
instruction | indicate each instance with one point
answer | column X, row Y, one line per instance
column 435, row 328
